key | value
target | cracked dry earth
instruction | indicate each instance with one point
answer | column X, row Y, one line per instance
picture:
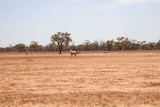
column 112, row 79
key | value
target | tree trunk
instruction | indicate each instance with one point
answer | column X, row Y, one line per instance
column 60, row 48
column 60, row 51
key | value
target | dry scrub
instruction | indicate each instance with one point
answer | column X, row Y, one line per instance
column 113, row 79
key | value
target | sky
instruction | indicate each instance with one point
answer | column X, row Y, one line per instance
column 23, row 21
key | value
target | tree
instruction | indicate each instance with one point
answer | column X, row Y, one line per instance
column 2, row 49
column 86, row 45
column 158, row 45
column 150, row 46
column 122, row 43
column 20, row 47
column 61, row 40
column 50, row 47
column 95, row 46
column 34, row 46
column 109, row 44
column 142, row 44
column 126, row 44
column 119, row 43
column 102, row 45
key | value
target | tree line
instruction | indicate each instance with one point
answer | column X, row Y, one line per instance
column 61, row 42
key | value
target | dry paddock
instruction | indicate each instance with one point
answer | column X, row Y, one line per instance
column 104, row 79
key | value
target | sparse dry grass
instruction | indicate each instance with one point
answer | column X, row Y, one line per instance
column 112, row 79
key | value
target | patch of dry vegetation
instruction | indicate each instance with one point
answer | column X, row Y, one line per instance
column 91, row 79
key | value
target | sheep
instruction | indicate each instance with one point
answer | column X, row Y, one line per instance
column 73, row 52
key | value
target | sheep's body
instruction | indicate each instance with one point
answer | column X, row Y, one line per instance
column 73, row 53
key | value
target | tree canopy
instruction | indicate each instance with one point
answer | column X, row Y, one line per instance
column 61, row 39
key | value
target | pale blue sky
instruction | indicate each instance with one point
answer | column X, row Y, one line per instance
column 23, row 21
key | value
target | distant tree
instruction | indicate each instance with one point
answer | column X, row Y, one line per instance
column 80, row 47
column 50, row 47
column 151, row 46
column 61, row 40
column 123, row 43
column 102, row 45
column 109, row 44
column 20, row 47
column 86, row 45
column 157, row 45
column 34, row 46
column 73, row 46
column 119, row 43
column 134, row 45
column 2, row 49
column 126, row 44
column 142, row 45
column 95, row 45
column 10, row 48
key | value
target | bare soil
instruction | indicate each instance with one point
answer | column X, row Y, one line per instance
column 104, row 79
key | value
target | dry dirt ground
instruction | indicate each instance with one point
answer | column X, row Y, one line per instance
column 111, row 79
